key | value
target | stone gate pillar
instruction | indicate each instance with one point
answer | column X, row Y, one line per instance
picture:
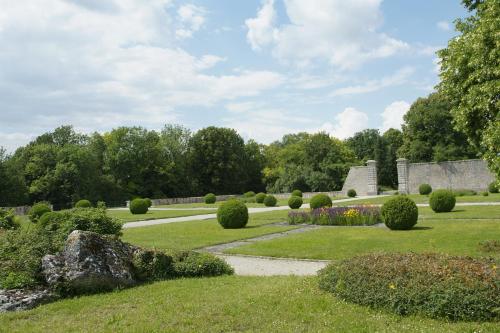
column 403, row 178
column 372, row 177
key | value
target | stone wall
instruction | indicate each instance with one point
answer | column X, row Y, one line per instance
column 467, row 174
column 363, row 179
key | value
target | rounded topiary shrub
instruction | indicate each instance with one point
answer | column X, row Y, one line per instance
column 249, row 194
column 232, row 214
column 320, row 200
column 83, row 204
column 259, row 197
column 485, row 194
column 270, row 201
column 37, row 210
column 149, row 201
column 139, row 206
column 493, row 187
column 442, row 201
column 433, row 285
column 297, row 193
column 399, row 213
column 424, row 189
column 295, row 202
column 351, row 193
column 210, row 198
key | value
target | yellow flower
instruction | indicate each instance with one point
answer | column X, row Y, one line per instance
column 494, row 267
column 392, row 286
column 351, row 213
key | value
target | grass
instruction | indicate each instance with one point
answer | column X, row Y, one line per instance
column 462, row 212
column 224, row 304
column 493, row 197
column 196, row 234
column 127, row 216
column 433, row 233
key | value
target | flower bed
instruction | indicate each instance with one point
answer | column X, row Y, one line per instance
column 347, row 216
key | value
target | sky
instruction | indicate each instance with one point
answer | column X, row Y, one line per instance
column 263, row 67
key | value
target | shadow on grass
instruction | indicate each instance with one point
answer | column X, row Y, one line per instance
column 421, row 228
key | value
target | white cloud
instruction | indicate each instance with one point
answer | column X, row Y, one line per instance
column 443, row 25
column 344, row 33
column 400, row 77
column 346, row 123
column 261, row 30
column 191, row 18
column 392, row 116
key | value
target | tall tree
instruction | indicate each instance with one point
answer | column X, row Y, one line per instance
column 470, row 76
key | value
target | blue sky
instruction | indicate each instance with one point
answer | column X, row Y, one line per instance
column 263, row 67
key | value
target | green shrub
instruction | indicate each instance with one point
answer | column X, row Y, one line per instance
column 232, row 214
column 320, row 200
column 152, row 265
column 485, row 194
column 463, row 192
column 351, row 193
column 83, row 204
column 442, row 201
column 149, row 202
column 8, row 220
column 193, row 264
column 295, row 202
column 438, row 286
column 101, row 205
column 259, row 197
column 493, row 187
column 399, row 213
column 270, row 201
column 37, row 210
column 424, row 189
column 249, row 194
column 297, row 193
column 139, row 206
column 210, row 198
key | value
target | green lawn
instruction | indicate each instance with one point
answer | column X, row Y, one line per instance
column 224, row 304
column 424, row 199
column 462, row 212
column 196, row 234
column 459, row 237
column 127, row 216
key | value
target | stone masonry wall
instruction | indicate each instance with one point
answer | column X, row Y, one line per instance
column 363, row 179
column 467, row 174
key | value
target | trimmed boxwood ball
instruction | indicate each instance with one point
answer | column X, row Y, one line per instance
column 259, row 197
column 149, row 201
column 424, row 189
column 442, row 201
column 232, row 214
column 295, row 202
column 139, row 206
column 320, row 200
column 83, row 204
column 493, row 187
column 38, row 210
column 210, row 198
column 270, row 201
column 249, row 194
column 351, row 193
column 399, row 213
column 297, row 193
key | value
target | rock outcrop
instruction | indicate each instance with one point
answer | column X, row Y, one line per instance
column 23, row 299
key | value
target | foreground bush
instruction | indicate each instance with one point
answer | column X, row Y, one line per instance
column 83, row 204
column 8, row 220
column 320, row 200
column 101, row 205
column 139, row 206
column 424, row 189
column 399, row 213
column 210, row 198
column 259, row 197
column 193, row 264
column 297, row 193
column 249, row 194
column 150, row 265
column 295, row 202
column 493, row 187
column 442, row 201
column 270, row 201
column 345, row 216
column 232, row 214
column 438, row 286
column 351, row 193
column 37, row 210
